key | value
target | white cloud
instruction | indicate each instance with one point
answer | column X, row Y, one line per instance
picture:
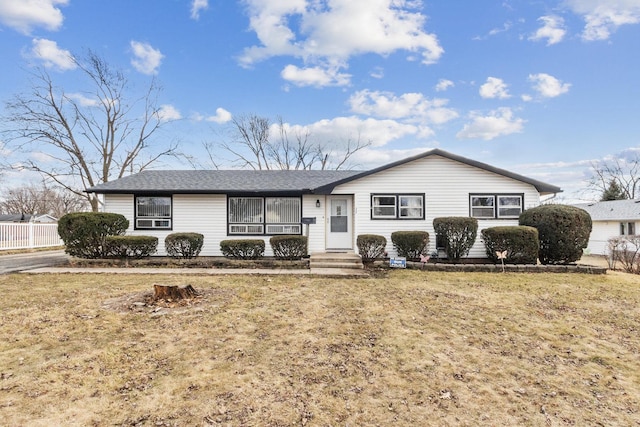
column 444, row 84
column 548, row 86
column 197, row 6
column 326, row 34
column 495, row 31
column 222, row 116
column 499, row 122
column 146, row 59
column 314, row 76
column 552, row 30
column 51, row 55
column 24, row 15
column 494, row 88
column 602, row 17
column 339, row 130
column 408, row 106
column 82, row 100
column 377, row 73
column 168, row 113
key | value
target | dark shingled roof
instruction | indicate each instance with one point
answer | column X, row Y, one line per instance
column 275, row 181
column 222, row 181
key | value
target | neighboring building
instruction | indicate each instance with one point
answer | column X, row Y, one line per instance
column 46, row 218
column 331, row 207
column 613, row 218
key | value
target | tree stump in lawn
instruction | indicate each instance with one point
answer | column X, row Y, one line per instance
column 167, row 292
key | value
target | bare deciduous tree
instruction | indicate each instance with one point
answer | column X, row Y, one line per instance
column 33, row 199
column 89, row 139
column 258, row 144
column 622, row 171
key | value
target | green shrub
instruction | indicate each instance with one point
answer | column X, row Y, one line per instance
column 183, row 245
column 84, row 233
column 563, row 231
column 520, row 242
column 371, row 247
column 135, row 247
column 289, row 247
column 243, row 249
column 410, row 244
column 458, row 234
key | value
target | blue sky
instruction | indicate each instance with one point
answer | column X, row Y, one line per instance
column 541, row 88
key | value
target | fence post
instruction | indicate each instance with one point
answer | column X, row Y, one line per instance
column 31, row 235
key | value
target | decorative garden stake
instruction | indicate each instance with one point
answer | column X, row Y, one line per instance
column 501, row 256
column 424, row 259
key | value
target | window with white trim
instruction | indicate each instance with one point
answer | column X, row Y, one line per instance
column 491, row 206
column 153, row 212
column 397, row 206
column 627, row 228
column 264, row 215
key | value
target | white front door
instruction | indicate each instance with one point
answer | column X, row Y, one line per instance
column 339, row 222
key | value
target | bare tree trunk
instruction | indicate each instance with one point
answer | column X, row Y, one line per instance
column 167, row 292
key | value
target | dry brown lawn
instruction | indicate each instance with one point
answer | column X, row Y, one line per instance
column 412, row 348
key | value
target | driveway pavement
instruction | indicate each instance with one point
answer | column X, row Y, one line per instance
column 31, row 260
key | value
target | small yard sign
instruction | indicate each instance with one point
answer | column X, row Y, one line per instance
column 399, row 262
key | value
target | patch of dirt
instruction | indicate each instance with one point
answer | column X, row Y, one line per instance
column 144, row 302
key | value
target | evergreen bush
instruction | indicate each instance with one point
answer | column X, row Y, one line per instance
column 563, row 231
column 183, row 245
column 84, row 233
column 371, row 247
column 520, row 242
column 134, row 247
column 458, row 234
column 289, row 247
column 243, row 248
column 410, row 244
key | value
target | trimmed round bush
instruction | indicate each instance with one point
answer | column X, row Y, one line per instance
column 243, row 248
column 183, row 245
column 134, row 247
column 563, row 231
column 410, row 244
column 458, row 234
column 289, row 247
column 520, row 242
column 371, row 247
column 84, row 233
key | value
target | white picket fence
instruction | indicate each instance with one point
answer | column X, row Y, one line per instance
column 28, row 235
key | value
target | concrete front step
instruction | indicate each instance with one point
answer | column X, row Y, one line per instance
column 335, row 260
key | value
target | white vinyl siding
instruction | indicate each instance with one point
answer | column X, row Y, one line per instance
column 446, row 185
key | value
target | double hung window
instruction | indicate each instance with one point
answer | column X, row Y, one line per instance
column 153, row 212
column 627, row 228
column 490, row 206
column 397, row 206
column 264, row 215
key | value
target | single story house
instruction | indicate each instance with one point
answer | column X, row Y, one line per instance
column 45, row 218
column 330, row 207
column 612, row 218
